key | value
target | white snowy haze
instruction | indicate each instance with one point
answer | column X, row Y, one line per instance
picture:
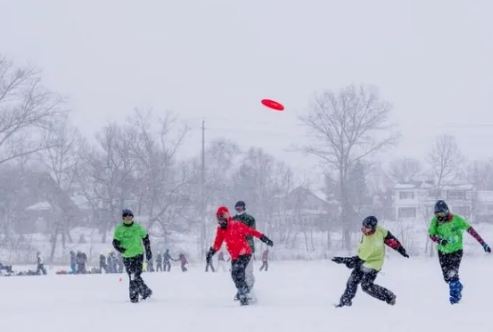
column 102, row 105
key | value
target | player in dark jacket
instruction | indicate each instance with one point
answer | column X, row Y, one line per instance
column 128, row 239
column 247, row 219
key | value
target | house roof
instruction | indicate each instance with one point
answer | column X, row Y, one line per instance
column 41, row 206
column 34, row 190
column 427, row 185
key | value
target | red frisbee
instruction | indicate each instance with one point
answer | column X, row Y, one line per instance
column 273, row 104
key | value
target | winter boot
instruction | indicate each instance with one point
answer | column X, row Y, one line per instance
column 237, row 296
column 133, row 291
column 244, row 300
column 344, row 302
column 146, row 293
column 455, row 289
column 391, row 300
column 144, row 290
column 243, row 296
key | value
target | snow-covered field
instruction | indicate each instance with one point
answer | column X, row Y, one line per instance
column 293, row 296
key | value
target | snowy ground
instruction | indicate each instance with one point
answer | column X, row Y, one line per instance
column 293, row 296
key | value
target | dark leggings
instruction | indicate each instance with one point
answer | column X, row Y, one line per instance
column 238, row 267
column 366, row 277
column 450, row 264
column 133, row 266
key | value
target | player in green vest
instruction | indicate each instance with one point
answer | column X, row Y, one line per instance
column 446, row 230
column 368, row 263
column 131, row 240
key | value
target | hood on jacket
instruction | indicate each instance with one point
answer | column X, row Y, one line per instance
column 223, row 212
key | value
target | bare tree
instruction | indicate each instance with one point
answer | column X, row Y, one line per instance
column 404, row 169
column 445, row 160
column 480, row 174
column 25, row 107
column 258, row 182
column 160, row 181
column 220, row 162
column 347, row 127
column 62, row 158
column 108, row 174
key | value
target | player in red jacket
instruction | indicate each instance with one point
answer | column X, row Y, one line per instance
column 233, row 233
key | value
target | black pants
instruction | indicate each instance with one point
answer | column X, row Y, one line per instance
column 366, row 277
column 265, row 265
column 167, row 266
column 136, row 286
column 450, row 264
column 238, row 267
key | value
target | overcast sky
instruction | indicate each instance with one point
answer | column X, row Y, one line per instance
column 216, row 59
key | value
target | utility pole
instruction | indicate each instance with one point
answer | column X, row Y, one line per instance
column 202, row 194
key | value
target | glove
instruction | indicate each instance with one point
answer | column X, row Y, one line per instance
column 118, row 247
column 486, row 248
column 352, row 262
column 267, row 241
column 403, row 252
column 148, row 255
column 209, row 255
column 338, row 260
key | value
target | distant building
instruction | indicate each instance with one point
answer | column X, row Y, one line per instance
column 484, row 206
column 305, row 207
column 415, row 200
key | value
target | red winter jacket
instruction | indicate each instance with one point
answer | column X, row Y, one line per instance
column 234, row 236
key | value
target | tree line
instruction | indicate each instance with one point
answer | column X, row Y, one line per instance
column 137, row 163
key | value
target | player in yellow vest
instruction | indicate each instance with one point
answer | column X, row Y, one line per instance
column 368, row 262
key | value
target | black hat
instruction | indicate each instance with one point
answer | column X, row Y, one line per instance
column 441, row 206
column 370, row 222
column 127, row 212
column 240, row 204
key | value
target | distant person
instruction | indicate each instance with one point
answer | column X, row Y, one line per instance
column 102, row 263
column 159, row 262
column 81, row 259
column 73, row 262
column 265, row 260
column 183, row 262
column 167, row 261
column 132, row 240
column 221, row 262
column 41, row 266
